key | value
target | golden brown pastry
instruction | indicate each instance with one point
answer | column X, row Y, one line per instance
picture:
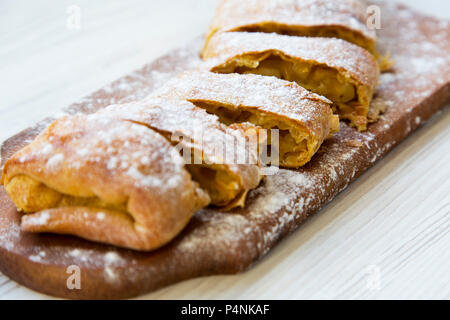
column 304, row 119
column 344, row 19
column 344, row 73
column 213, row 150
column 105, row 180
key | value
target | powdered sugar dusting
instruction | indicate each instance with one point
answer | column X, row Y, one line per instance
column 112, row 260
column 38, row 257
column 55, row 161
column 112, row 145
column 11, row 234
column 39, row 219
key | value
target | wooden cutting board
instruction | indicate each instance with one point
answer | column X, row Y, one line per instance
column 222, row 243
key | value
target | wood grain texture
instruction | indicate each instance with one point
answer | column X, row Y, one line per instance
column 403, row 232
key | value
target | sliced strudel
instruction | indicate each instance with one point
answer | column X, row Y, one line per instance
column 220, row 158
column 344, row 73
column 105, row 180
column 303, row 119
column 344, row 19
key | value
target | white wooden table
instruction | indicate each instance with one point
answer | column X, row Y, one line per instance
column 386, row 236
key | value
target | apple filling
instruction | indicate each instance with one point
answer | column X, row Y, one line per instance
column 30, row 195
column 223, row 187
column 350, row 100
column 296, row 146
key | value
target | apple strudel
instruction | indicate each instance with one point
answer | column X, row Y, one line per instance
column 304, row 119
column 220, row 158
column 344, row 73
column 103, row 179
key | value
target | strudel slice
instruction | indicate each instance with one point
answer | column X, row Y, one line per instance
column 303, row 119
column 105, row 180
column 344, row 73
column 344, row 19
column 222, row 159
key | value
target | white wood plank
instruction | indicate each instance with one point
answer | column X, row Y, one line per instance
column 393, row 221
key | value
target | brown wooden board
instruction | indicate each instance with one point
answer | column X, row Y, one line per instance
column 223, row 243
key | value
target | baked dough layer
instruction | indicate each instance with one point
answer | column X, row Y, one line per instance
column 304, row 119
column 344, row 19
column 343, row 72
column 105, row 180
column 213, row 161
